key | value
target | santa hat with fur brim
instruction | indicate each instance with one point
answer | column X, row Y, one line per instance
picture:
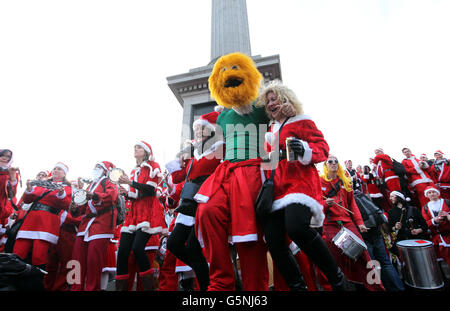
column 439, row 152
column 431, row 188
column 106, row 165
column 207, row 120
column 62, row 166
column 147, row 148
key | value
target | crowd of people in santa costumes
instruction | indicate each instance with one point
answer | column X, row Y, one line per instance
column 193, row 226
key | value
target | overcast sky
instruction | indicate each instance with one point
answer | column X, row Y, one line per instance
column 83, row 81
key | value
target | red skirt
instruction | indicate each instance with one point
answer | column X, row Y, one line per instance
column 360, row 271
column 146, row 214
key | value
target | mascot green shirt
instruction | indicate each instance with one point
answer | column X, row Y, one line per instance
column 243, row 134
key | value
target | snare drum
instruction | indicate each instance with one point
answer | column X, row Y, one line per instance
column 350, row 244
column 115, row 174
column 79, row 197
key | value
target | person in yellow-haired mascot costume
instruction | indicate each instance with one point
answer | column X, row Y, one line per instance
column 226, row 209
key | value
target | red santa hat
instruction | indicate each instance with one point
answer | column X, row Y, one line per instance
column 147, row 148
column 380, row 149
column 106, row 165
column 207, row 120
column 62, row 166
column 431, row 188
column 423, row 155
column 439, row 152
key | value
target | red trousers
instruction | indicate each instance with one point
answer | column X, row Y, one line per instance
column 214, row 221
column 168, row 279
column 133, row 270
column 91, row 256
column 58, row 257
column 40, row 248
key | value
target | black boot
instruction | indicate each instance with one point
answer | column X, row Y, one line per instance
column 187, row 284
column 289, row 269
column 319, row 253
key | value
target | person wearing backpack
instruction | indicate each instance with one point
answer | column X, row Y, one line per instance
column 96, row 228
column 374, row 219
column 386, row 173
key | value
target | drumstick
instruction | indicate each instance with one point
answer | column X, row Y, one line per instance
column 339, row 205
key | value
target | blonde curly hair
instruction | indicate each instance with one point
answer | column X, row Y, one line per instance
column 283, row 93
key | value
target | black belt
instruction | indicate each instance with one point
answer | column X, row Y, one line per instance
column 42, row 207
column 199, row 180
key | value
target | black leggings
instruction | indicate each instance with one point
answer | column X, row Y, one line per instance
column 294, row 220
column 184, row 245
column 136, row 242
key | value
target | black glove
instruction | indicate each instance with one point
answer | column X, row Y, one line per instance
column 297, row 147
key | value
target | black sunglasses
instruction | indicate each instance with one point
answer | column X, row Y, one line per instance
column 333, row 161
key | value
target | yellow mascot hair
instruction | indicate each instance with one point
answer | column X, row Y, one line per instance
column 234, row 80
column 342, row 175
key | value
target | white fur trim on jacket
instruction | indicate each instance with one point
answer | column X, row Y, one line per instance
column 243, row 238
column 153, row 172
column 307, row 156
column 201, row 198
column 128, row 229
column 208, row 151
column 316, row 208
column 61, row 197
column 173, row 166
column 184, row 220
column 294, row 248
column 270, row 138
column 62, row 218
column 37, row 235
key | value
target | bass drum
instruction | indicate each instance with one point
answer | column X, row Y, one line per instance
column 420, row 267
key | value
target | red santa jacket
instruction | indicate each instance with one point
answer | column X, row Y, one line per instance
column 440, row 232
column 344, row 198
column 99, row 216
column 441, row 175
column 385, row 167
column 416, row 175
column 298, row 181
column 145, row 212
column 370, row 186
column 43, row 224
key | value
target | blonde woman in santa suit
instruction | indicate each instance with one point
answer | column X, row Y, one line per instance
column 297, row 206
column 341, row 211
column 145, row 218
column 41, row 226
